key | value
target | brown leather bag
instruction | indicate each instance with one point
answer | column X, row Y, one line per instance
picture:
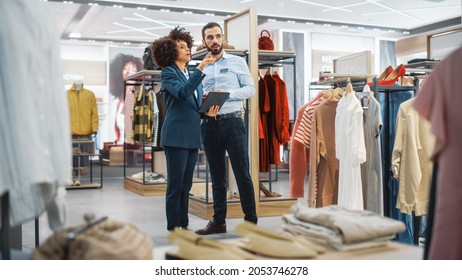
column 265, row 42
column 100, row 240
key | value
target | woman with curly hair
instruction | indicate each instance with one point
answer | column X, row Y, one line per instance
column 181, row 134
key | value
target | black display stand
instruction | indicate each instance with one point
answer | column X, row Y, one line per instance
column 85, row 154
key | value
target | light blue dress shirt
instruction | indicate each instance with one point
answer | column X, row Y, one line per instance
column 230, row 73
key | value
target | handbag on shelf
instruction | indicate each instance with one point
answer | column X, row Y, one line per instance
column 265, row 42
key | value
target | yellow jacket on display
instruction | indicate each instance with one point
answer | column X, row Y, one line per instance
column 83, row 111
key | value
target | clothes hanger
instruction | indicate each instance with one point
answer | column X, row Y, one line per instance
column 349, row 88
column 364, row 97
column 338, row 93
column 366, row 88
column 328, row 93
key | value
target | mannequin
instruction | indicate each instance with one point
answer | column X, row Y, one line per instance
column 83, row 110
column 78, row 85
column 84, row 122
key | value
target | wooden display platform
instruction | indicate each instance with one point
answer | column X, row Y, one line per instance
column 268, row 207
column 156, row 189
column 84, row 186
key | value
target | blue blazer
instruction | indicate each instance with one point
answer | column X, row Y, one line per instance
column 182, row 124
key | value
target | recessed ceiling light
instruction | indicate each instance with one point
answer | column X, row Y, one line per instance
column 291, row 21
column 75, row 35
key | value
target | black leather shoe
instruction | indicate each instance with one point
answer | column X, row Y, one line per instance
column 212, row 228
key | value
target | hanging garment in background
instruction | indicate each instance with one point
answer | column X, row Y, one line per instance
column 323, row 179
column 159, row 111
column 128, row 106
column 142, row 116
column 371, row 169
column 298, row 161
column 299, row 154
column 264, row 109
column 83, row 111
column 350, row 151
column 282, row 125
column 411, row 163
column 303, row 133
column 439, row 102
column 390, row 102
column 35, row 142
column 272, row 119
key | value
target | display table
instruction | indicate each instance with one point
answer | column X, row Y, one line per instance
column 392, row 251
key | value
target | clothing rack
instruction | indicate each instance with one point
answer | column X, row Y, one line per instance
column 358, row 81
column 146, row 78
column 267, row 60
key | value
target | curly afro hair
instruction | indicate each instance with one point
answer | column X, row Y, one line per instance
column 163, row 50
column 180, row 34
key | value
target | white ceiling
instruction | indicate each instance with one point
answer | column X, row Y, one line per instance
column 375, row 18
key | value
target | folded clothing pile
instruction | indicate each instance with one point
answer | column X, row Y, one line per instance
column 341, row 228
column 150, row 177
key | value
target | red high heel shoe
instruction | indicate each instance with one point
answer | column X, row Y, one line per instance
column 382, row 76
column 394, row 76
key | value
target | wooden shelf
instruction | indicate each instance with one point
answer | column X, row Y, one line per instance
column 269, row 207
column 153, row 189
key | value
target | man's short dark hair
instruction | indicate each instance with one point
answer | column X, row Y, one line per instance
column 208, row 26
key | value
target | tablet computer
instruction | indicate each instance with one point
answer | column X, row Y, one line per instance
column 214, row 98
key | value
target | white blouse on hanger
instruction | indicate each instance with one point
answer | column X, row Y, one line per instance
column 350, row 150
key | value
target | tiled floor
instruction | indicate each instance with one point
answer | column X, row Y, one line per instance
column 147, row 212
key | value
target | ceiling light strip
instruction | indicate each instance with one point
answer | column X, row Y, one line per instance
column 264, row 18
column 148, row 6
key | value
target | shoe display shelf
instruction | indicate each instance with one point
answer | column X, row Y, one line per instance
column 83, row 154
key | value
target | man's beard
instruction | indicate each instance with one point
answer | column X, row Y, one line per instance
column 215, row 51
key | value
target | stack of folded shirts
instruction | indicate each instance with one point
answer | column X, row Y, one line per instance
column 340, row 228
